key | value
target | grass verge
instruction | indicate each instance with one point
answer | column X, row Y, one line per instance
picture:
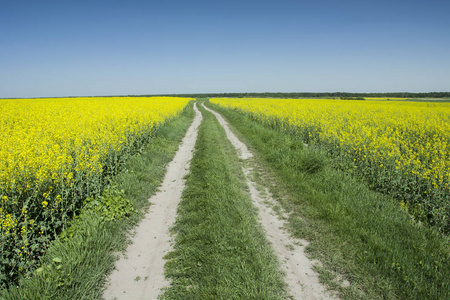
column 356, row 233
column 220, row 250
column 76, row 265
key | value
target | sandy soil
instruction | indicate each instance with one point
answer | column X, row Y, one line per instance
column 140, row 273
column 302, row 280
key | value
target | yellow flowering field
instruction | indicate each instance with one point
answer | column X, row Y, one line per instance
column 56, row 152
column 400, row 148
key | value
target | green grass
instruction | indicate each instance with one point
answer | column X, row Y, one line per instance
column 220, row 250
column 76, row 265
column 356, row 233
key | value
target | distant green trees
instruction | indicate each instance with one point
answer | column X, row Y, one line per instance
column 352, row 98
column 340, row 95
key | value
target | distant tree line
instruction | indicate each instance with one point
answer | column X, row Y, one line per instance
column 352, row 98
column 342, row 95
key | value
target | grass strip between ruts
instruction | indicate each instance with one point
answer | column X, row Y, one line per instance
column 76, row 267
column 356, row 233
column 220, row 250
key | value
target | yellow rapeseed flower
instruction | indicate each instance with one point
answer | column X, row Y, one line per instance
column 412, row 137
column 48, row 146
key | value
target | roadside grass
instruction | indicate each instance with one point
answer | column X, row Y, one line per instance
column 357, row 234
column 76, row 265
column 220, row 250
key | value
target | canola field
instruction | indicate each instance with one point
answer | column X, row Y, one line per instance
column 399, row 148
column 56, row 152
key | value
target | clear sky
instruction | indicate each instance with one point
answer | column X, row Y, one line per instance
column 115, row 47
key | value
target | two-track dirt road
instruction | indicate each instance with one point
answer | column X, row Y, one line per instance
column 139, row 274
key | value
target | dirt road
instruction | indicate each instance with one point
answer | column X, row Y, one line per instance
column 139, row 274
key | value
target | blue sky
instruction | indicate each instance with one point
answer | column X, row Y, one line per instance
column 89, row 48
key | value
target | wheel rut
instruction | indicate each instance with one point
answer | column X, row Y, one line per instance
column 139, row 274
column 302, row 280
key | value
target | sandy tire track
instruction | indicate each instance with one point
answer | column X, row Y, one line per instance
column 302, row 280
column 140, row 273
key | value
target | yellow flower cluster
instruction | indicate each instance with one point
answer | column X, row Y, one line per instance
column 411, row 139
column 8, row 222
column 46, row 143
